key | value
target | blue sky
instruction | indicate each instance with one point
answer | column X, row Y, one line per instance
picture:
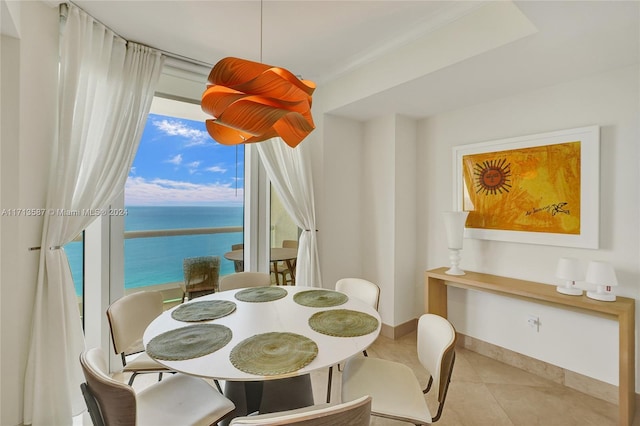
column 178, row 163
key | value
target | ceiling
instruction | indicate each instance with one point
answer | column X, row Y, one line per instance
column 315, row 39
column 325, row 40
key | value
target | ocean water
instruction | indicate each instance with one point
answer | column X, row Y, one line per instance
column 158, row 260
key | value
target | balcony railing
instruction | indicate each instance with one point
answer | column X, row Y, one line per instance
column 181, row 232
column 171, row 291
column 169, row 286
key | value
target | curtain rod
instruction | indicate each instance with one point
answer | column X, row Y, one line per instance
column 64, row 11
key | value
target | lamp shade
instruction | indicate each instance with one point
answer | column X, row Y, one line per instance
column 253, row 102
column 569, row 269
column 601, row 273
column 604, row 277
column 454, row 225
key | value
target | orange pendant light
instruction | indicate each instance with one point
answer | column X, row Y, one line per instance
column 253, row 102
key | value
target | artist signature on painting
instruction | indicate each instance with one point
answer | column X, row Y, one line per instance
column 553, row 209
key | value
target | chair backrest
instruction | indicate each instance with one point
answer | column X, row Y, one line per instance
column 290, row 243
column 92, row 405
column 244, row 279
column 116, row 400
column 436, row 352
column 202, row 271
column 129, row 316
column 351, row 413
column 361, row 289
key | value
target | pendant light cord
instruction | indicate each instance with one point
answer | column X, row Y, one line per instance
column 261, row 18
column 236, row 170
column 261, row 23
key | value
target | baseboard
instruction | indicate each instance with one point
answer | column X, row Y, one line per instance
column 579, row 382
column 398, row 331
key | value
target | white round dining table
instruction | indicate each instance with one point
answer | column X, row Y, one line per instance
column 253, row 318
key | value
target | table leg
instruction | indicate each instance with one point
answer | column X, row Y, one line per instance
column 626, row 362
column 245, row 395
column 269, row 396
column 435, row 297
column 286, row 394
column 275, row 271
column 291, row 271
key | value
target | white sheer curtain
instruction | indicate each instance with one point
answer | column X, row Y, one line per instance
column 289, row 170
column 105, row 90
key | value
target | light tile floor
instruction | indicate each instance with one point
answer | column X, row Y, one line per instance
column 482, row 392
column 486, row 392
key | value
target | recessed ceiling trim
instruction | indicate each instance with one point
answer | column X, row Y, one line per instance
column 445, row 15
column 493, row 25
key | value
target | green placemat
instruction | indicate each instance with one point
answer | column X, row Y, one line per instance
column 261, row 294
column 189, row 342
column 320, row 298
column 343, row 323
column 270, row 354
column 204, row 310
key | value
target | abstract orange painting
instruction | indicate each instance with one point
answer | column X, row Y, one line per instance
column 534, row 189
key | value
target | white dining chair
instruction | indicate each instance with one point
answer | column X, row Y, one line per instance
column 177, row 400
column 351, row 413
column 244, row 279
column 363, row 290
column 128, row 317
column 395, row 390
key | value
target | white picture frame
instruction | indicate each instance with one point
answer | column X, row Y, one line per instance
column 588, row 236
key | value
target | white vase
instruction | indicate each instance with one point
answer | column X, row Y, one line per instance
column 454, row 222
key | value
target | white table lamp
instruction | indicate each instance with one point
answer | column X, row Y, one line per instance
column 454, row 225
column 570, row 271
column 604, row 277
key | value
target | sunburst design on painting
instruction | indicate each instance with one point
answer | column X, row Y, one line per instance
column 492, row 177
column 533, row 189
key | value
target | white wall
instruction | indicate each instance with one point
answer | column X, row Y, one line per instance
column 28, row 124
column 12, row 350
column 574, row 341
column 338, row 224
column 406, row 217
column 378, row 211
column 389, row 214
column 368, row 210
column 578, row 342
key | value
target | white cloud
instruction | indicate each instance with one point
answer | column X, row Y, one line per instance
column 140, row 191
column 177, row 160
column 179, row 128
column 216, row 169
column 193, row 166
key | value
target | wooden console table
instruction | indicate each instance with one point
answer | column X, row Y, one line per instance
column 622, row 310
